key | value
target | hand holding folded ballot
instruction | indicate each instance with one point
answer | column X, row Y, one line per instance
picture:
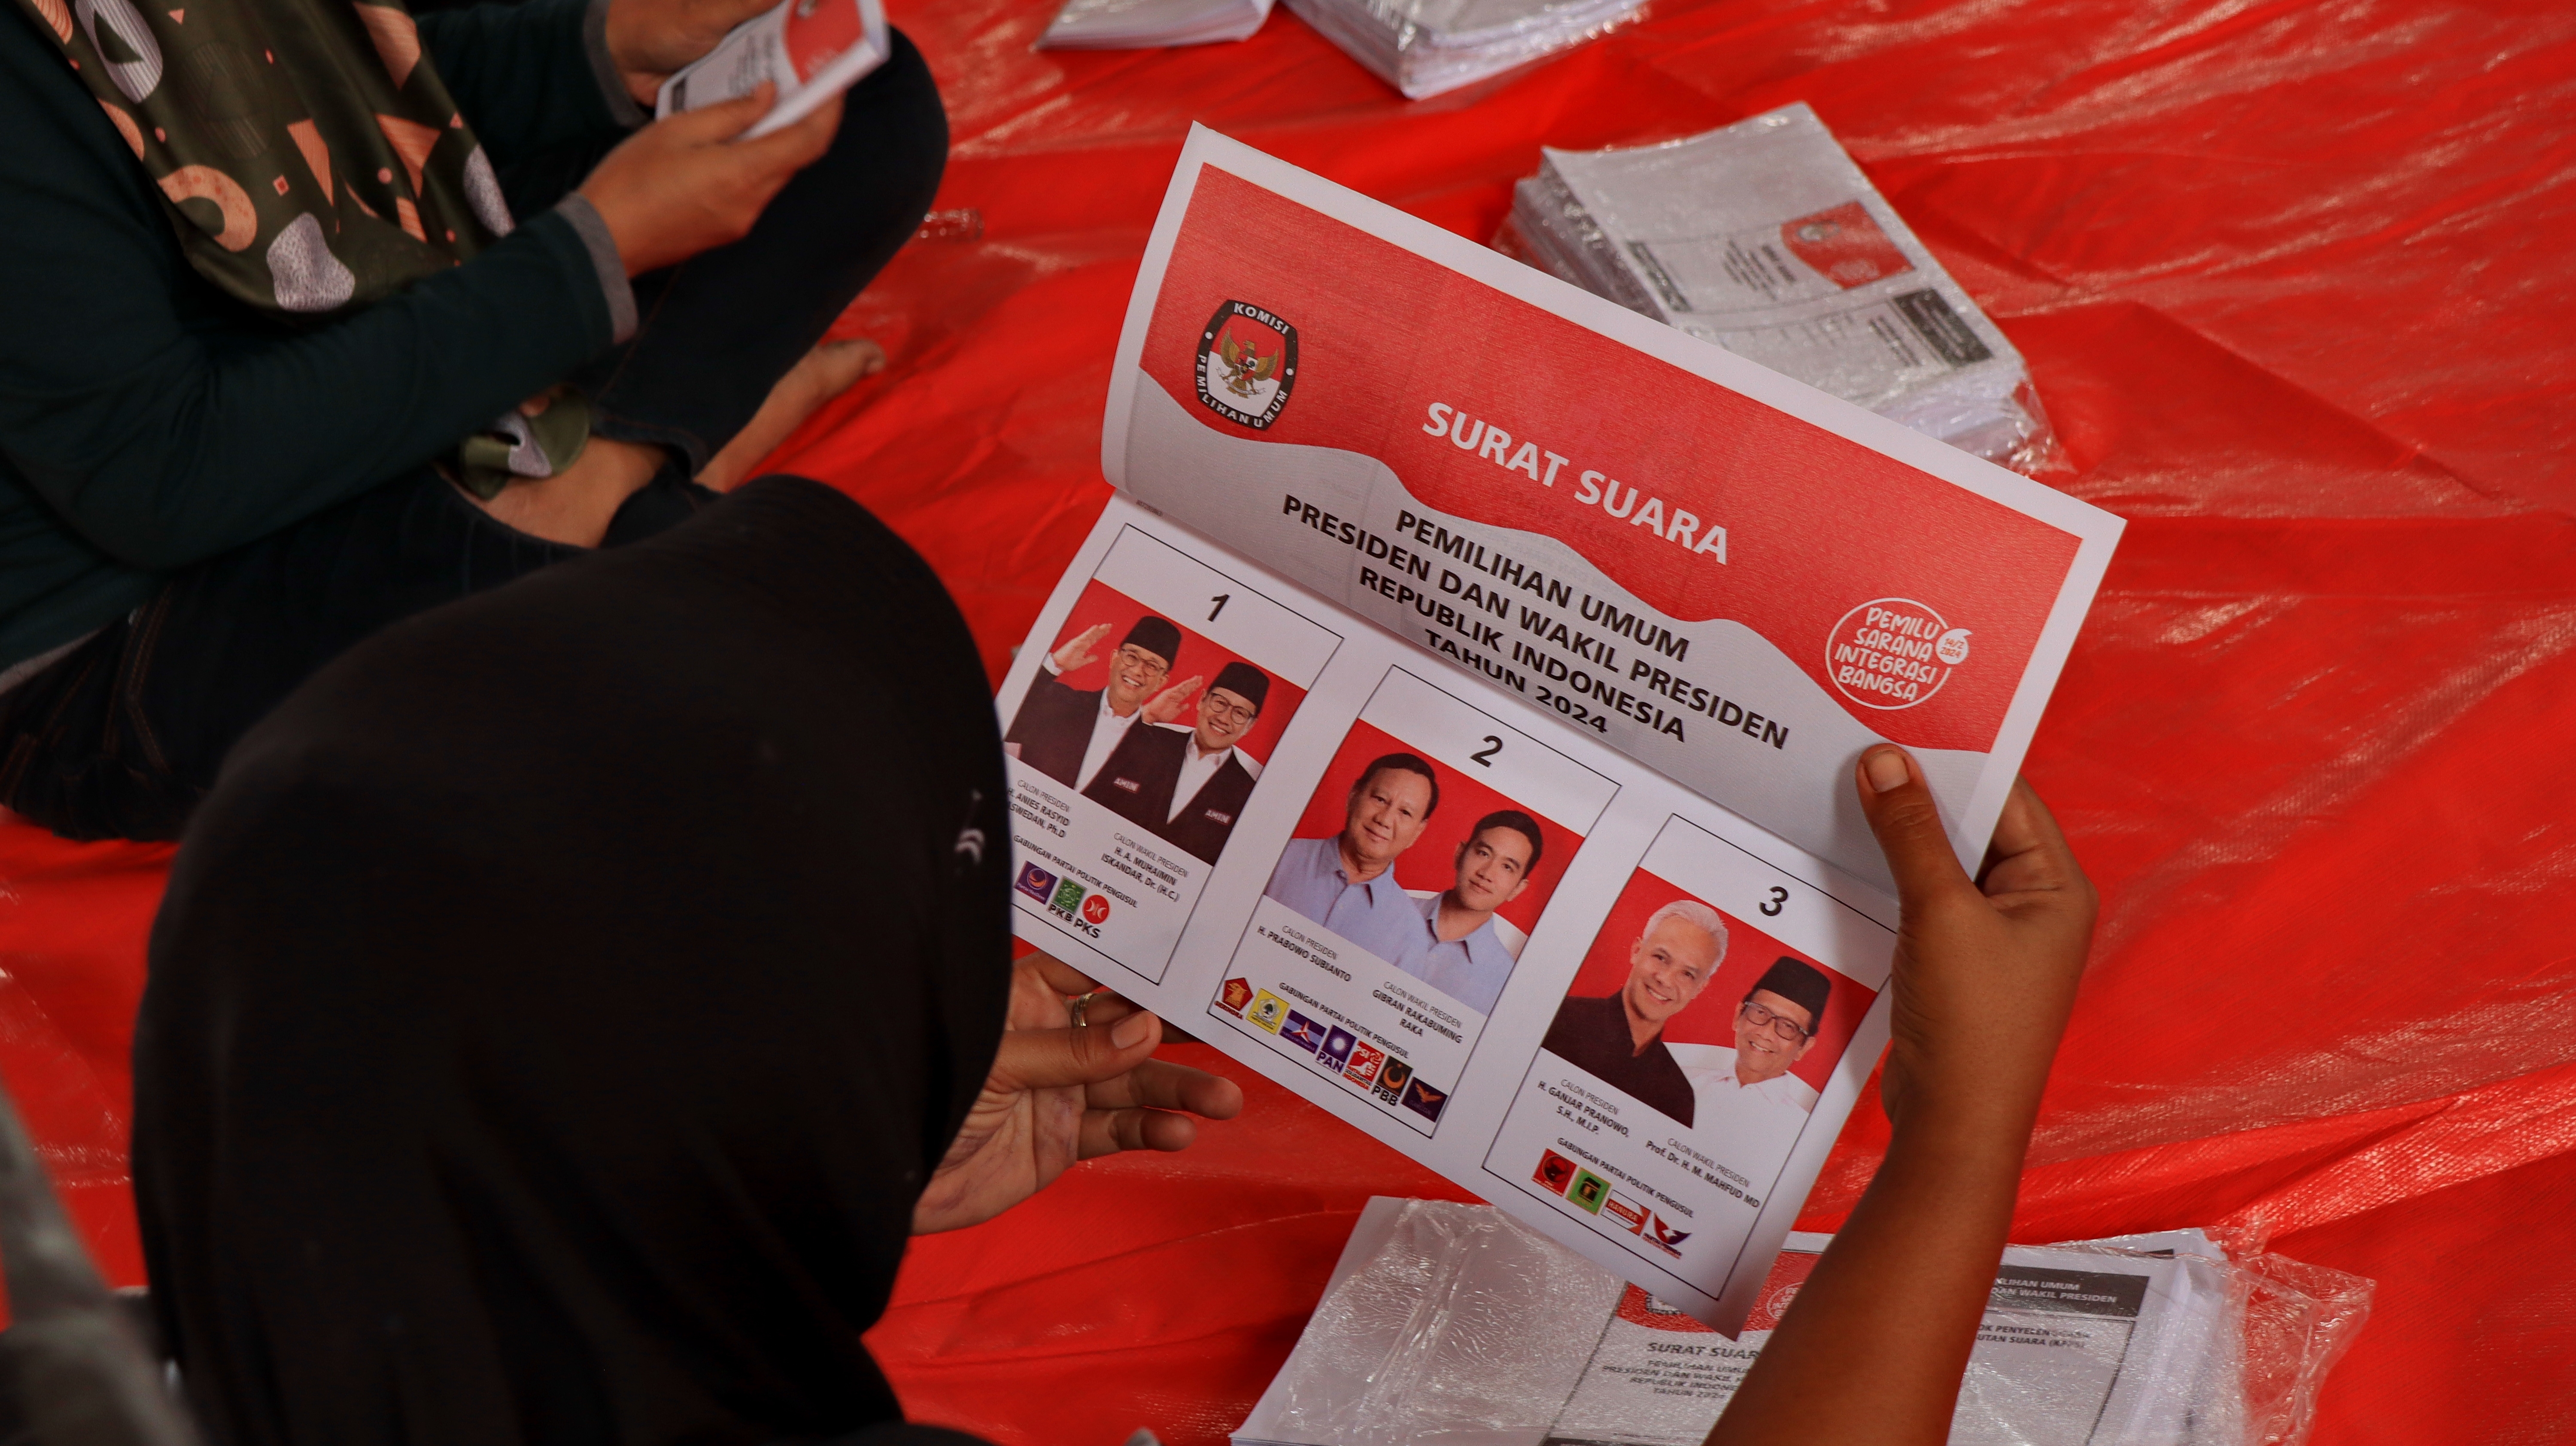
column 683, row 185
column 1075, row 1078
column 651, row 40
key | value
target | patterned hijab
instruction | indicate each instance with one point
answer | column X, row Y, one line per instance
column 308, row 148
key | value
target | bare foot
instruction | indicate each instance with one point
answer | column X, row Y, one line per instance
column 574, row 506
column 818, row 376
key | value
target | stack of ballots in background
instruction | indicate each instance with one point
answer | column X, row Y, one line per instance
column 1452, row 1325
column 1144, row 24
column 1424, row 47
column 1764, row 238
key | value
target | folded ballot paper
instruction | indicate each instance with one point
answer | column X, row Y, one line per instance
column 1425, row 47
column 1764, row 238
column 1143, row 24
column 1449, row 1323
column 811, row 50
column 1466, row 682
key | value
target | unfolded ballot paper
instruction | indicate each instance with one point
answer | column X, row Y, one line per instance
column 1764, row 238
column 1465, row 686
column 1143, row 24
column 1449, row 1323
column 1425, row 47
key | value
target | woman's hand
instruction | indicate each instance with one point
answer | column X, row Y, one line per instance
column 1058, row 1094
column 1872, row 1351
column 685, row 184
column 650, row 39
column 1986, row 969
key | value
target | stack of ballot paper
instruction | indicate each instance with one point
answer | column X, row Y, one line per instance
column 1764, row 238
column 1425, row 47
column 1450, row 1322
column 1143, row 24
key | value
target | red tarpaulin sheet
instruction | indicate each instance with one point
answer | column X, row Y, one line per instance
column 2292, row 279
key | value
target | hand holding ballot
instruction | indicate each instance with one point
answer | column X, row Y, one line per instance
column 1985, row 975
column 690, row 183
column 1065, row 1088
column 651, row 40
column 1505, row 806
column 1986, row 969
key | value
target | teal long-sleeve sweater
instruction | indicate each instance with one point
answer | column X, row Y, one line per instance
column 148, row 420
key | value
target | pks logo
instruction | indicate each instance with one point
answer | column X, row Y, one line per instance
column 1247, row 364
column 1893, row 652
column 1036, row 882
column 1069, row 906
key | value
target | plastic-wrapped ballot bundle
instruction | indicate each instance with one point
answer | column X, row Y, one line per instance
column 1425, row 47
column 1451, row 1325
column 1764, row 238
column 1144, row 24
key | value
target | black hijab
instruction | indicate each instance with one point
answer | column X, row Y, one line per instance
column 561, row 1000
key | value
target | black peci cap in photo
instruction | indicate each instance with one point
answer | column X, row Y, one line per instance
column 1802, row 984
column 1158, row 636
column 1243, row 680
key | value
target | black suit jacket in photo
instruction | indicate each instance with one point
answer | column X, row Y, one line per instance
column 1592, row 1035
column 1054, row 727
column 1137, row 783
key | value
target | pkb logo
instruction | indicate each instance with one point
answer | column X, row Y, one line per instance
column 1247, row 364
column 1069, row 901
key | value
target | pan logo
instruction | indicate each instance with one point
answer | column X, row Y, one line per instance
column 1247, row 364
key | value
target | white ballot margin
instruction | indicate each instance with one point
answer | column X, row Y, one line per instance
column 1747, row 629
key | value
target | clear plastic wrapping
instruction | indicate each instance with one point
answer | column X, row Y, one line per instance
column 1425, row 47
column 1451, row 1324
column 1765, row 239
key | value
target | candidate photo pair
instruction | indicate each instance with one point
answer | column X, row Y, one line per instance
column 1123, row 745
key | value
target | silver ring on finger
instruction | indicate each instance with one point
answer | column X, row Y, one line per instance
column 1079, row 1005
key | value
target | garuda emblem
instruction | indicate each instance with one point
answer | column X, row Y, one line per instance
column 1247, row 364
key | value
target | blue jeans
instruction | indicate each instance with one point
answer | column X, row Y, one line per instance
column 120, row 737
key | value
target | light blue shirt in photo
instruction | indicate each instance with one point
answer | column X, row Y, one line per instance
column 1378, row 916
column 1471, row 970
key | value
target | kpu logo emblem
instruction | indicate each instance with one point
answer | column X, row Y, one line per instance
column 1247, row 364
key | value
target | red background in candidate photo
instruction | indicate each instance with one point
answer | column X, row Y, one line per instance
column 1101, row 603
column 1710, row 1019
column 1463, row 800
